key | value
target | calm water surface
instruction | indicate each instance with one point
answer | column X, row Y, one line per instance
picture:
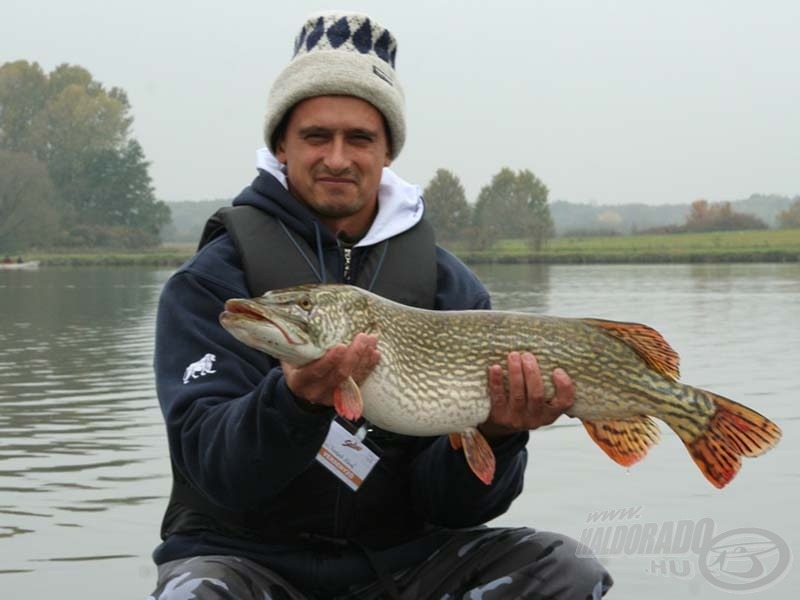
column 84, row 472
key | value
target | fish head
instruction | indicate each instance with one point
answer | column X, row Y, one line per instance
column 299, row 324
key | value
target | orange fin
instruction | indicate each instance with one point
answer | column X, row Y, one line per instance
column 646, row 341
column 480, row 457
column 455, row 441
column 734, row 431
column 347, row 400
column 626, row 441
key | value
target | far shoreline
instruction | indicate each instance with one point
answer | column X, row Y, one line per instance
column 763, row 246
column 644, row 259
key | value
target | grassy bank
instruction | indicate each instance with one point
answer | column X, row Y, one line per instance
column 168, row 255
column 731, row 246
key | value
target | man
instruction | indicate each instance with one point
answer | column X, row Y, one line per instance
column 255, row 512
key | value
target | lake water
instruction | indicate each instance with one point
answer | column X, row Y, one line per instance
column 84, row 472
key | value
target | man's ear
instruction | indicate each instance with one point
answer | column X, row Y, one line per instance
column 280, row 152
column 388, row 160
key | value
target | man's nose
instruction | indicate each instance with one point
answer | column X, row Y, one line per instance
column 336, row 159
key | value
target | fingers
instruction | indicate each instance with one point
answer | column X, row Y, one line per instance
column 562, row 399
column 316, row 381
column 534, row 385
column 355, row 360
column 565, row 391
column 522, row 406
column 525, row 390
column 362, row 356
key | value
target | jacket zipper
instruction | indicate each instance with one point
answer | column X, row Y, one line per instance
column 347, row 257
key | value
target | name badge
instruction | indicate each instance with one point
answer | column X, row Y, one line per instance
column 346, row 455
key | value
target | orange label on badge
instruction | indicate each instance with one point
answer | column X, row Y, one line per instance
column 340, row 467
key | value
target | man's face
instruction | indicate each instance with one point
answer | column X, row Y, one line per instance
column 334, row 149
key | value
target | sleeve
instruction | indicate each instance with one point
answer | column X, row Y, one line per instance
column 458, row 288
column 234, row 421
column 449, row 494
column 446, row 491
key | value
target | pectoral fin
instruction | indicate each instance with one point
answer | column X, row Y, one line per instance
column 626, row 441
column 347, row 400
column 480, row 457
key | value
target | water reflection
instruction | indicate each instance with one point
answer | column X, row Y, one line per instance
column 78, row 407
column 84, row 469
column 517, row 287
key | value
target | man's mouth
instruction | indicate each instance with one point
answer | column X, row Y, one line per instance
column 335, row 181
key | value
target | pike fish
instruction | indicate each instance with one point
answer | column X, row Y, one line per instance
column 432, row 375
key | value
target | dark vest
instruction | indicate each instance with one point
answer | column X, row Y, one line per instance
column 403, row 269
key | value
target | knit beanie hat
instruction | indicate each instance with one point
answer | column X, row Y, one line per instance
column 341, row 54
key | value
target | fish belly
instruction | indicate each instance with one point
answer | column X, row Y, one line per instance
column 410, row 411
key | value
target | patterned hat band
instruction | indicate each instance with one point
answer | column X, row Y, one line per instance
column 345, row 54
column 354, row 33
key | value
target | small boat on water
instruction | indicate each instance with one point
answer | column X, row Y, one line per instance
column 19, row 266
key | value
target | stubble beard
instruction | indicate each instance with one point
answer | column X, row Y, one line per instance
column 332, row 206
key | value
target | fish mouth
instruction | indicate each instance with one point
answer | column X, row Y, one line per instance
column 246, row 310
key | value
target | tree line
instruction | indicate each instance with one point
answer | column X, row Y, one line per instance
column 71, row 173
column 790, row 218
column 513, row 205
column 707, row 216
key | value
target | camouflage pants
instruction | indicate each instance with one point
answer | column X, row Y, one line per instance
column 484, row 563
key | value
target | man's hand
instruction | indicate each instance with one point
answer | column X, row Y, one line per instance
column 525, row 407
column 316, row 381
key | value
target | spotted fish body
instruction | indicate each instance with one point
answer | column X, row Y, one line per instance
column 432, row 375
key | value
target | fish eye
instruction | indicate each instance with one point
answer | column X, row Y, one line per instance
column 305, row 303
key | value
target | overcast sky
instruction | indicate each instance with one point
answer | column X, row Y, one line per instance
column 607, row 102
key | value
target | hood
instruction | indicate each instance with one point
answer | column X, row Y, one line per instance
column 400, row 204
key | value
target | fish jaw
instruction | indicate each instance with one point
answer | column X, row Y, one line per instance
column 269, row 330
column 299, row 324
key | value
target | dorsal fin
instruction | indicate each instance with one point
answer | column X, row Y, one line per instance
column 647, row 343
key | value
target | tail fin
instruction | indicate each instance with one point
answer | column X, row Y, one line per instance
column 732, row 432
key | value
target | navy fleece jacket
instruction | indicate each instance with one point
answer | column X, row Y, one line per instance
column 239, row 436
